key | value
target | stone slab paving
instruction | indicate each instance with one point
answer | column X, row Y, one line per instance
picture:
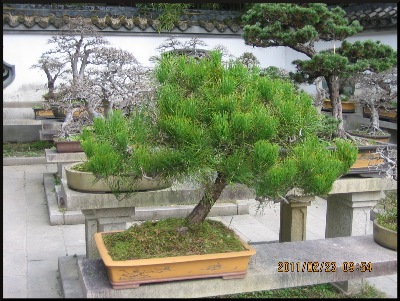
column 34, row 251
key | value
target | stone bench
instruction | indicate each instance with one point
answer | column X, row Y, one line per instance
column 262, row 273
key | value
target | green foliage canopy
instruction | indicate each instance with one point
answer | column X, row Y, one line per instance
column 348, row 60
column 251, row 129
column 297, row 26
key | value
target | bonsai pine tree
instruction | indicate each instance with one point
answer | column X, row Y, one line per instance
column 219, row 124
column 299, row 27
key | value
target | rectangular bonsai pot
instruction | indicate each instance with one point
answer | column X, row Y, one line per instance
column 64, row 146
column 368, row 162
column 132, row 273
column 43, row 113
column 384, row 114
column 347, row 106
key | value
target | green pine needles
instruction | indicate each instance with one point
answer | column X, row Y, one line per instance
column 223, row 119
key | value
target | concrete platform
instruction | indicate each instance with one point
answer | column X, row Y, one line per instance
column 21, row 130
column 63, row 216
column 262, row 274
column 10, row 161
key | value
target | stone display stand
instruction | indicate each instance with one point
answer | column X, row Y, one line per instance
column 348, row 213
column 350, row 194
column 348, row 208
column 293, row 218
column 349, row 205
column 53, row 156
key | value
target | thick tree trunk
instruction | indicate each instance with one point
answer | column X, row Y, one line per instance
column 67, row 123
column 211, row 195
column 374, row 119
column 92, row 112
column 337, row 113
column 107, row 105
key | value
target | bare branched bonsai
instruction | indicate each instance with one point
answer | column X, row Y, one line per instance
column 54, row 69
column 376, row 89
column 299, row 27
column 97, row 78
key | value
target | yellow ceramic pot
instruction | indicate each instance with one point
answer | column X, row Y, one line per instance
column 347, row 107
column 132, row 273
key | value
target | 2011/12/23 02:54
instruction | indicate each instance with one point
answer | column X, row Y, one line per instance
column 327, row 266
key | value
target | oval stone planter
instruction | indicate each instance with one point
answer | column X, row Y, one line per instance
column 380, row 138
column 132, row 273
column 86, row 182
column 385, row 237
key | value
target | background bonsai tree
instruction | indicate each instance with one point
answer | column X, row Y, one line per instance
column 117, row 79
column 376, row 89
column 189, row 48
column 222, row 123
column 97, row 78
column 54, row 68
column 299, row 27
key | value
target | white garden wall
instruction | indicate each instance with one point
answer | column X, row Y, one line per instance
column 23, row 49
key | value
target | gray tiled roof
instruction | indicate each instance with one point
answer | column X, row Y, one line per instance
column 373, row 15
column 110, row 18
column 114, row 18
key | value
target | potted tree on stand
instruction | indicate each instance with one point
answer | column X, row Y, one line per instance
column 376, row 90
column 54, row 69
column 217, row 124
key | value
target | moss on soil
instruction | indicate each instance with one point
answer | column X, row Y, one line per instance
column 171, row 237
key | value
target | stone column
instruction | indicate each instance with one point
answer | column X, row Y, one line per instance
column 90, row 230
column 293, row 218
column 348, row 214
column 102, row 220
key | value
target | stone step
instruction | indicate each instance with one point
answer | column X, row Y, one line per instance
column 21, row 130
column 47, row 134
column 51, row 124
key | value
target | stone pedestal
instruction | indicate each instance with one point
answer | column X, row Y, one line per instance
column 349, row 286
column 348, row 214
column 53, row 156
column 293, row 218
column 105, row 219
